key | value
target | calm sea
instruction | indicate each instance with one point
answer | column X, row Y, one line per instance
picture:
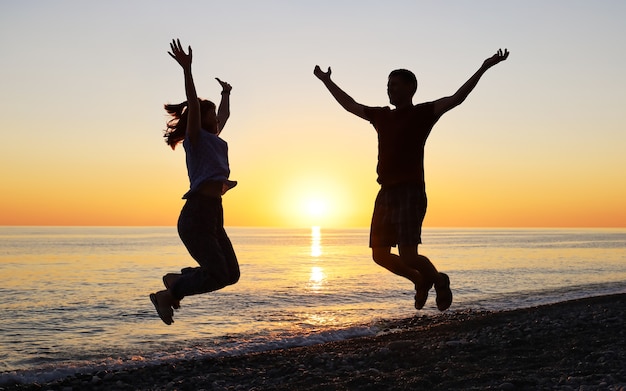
column 75, row 299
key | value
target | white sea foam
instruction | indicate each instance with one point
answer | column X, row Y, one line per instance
column 243, row 345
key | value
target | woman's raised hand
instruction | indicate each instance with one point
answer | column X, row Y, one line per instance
column 179, row 54
column 225, row 86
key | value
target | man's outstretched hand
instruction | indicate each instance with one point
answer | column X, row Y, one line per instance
column 323, row 76
column 496, row 58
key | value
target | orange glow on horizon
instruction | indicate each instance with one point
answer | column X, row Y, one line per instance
column 299, row 198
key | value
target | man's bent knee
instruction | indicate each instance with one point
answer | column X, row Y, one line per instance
column 380, row 255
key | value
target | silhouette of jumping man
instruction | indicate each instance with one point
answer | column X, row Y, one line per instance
column 400, row 205
column 201, row 221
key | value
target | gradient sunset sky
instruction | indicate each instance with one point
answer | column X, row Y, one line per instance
column 541, row 142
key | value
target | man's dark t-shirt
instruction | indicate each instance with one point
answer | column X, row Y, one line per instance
column 402, row 135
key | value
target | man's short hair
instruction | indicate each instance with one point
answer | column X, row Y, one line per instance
column 406, row 76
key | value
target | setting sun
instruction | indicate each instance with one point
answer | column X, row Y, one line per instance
column 314, row 199
column 316, row 207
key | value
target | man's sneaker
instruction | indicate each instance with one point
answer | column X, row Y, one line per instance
column 444, row 294
column 421, row 295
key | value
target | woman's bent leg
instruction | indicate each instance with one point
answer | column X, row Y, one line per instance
column 200, row 227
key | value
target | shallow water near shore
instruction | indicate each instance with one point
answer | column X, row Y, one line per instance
column 75, row 299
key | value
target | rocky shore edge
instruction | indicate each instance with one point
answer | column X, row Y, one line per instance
column 573, row 345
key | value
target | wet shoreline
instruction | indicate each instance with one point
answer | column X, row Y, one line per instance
column 573, row 345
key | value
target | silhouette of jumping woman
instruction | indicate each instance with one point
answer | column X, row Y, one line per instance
column 201, row 221
column 400, row 205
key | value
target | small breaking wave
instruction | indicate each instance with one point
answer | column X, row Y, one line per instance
column 233, row 345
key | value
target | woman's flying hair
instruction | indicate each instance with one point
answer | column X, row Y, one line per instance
column 177, row 125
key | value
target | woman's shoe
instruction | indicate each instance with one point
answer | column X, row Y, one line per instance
column 165, row 311
column 169, row 280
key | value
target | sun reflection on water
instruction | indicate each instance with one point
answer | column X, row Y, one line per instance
column 317, row 278
column 316, row 241
column 317, row 275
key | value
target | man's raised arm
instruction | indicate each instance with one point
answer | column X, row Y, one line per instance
column 344, row 99
column 444, row 104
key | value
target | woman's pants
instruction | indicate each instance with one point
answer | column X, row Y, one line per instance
column 201, row 228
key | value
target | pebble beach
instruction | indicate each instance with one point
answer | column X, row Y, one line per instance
column 572, row 345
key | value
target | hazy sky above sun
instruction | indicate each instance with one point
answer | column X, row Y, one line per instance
column 541, row 141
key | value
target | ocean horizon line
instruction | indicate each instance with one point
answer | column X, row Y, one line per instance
column 309, row 226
